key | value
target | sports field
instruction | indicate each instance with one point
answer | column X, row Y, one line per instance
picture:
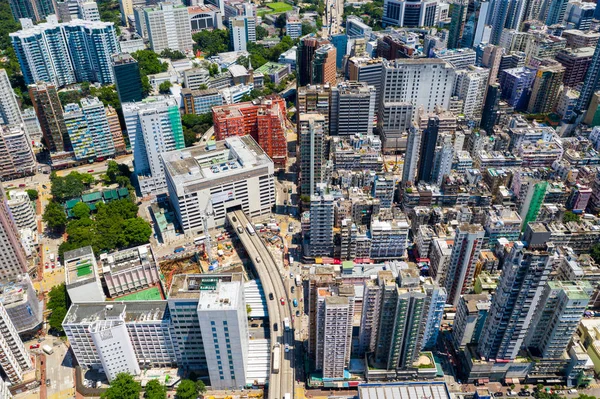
column 275, row 7
column 151, row 294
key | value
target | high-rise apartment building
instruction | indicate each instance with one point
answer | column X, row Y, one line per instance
column 77, row 127
column 32, row 125
column 223, row 317
column 50, row 116
column 66, row 53
column 127, row 78
column 12, row 255
column 99, row 129
column 576, row 62
column 312, row 138
column 10, row 113
column 335, row 311
column 458, row 16
column 36, row 10
column 561, row 308
column 315, row 99
column 153, row 126
column 429, row 139
column 410, row 13
column 321, row 226
column 14, row 358
column 21, row 209
column 16, row 154
column 489, row 114
column 535, row 192
column 471, row 312
column 506, row 14
column 436, row 297
column 470, row 87
column 461, row 266
column 352, row 109
column 168, row 27
column 590, row 83
column 263, row 119
column 546, row 88
column 115, row 129
column 518, row 295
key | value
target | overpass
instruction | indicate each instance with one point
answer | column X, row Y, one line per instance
column 268, row 272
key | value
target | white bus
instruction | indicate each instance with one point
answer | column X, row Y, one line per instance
column 276, row 355
column 250, row 229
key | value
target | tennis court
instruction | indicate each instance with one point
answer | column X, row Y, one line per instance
column 151, row 294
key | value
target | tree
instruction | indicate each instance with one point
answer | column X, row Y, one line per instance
column 571, row 217
column 187, row 389
column 307, row 28
column 261, row 32
column 155, row 390
column 54, row 216
column 108, row 95
column 172, row 54
column 137, row 232
column 165, row 87
column 149, row 63
column 200, row 387
column 211, row 42
column 58, row 302
column 248, row 308
column 595, row 253
column 33, row 194
column 123, row 387
column 213, row 70
column 512, row 386
column 81, row 210
column 112, row 171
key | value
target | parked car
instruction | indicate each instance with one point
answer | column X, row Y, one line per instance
column 498, row 394
column 34, row 346
column 271, row 296
column 282, row 301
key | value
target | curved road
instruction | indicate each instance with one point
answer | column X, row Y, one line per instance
column 272, row 281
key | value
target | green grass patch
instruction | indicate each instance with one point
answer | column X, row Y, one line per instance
column 276, row 8
column 151, row 294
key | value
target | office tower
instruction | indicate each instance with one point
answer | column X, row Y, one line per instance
column 471, row 313
column 263, row 119
column 436, row 300
column 546, row 88
column 461, row 267
column 489, row 115
column 10, row 113
column 312, row 152
column 115, row 129
column 470, row 87
column 12, row 255
column 352, row 109
column 36, row 10
column 366, row 70
column 411, row 158
column 14, row 358
column 579, row 15
column 168, row 27
column 252, row 180
column 200, row 101
column 335, row 311
column 590, row 83
column 560, row 310
column 242, row 30
column 66, row 53
column 576, row 63
column 127, row 78
column 50, row 116
column 153, row 126
column 476, row 29
column 522, row 282
column 305, row 55
column 324, row 66
column 315, row 99
column 321, row 226
column 16, row 155
column 99, row 129
column 458, row 16
column 356, row 28
column 507, row 14
column 223, row 317
column 553, row 12
column 411, row 13
column 427, row 150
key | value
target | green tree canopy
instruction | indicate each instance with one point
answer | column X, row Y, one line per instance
column 195, row 125
column 211, row 42
column 123, row 387
column 165, row 87
column 58, row 302
column 187, row 389
column 571, row 217
column 261, row 32
column 172, row 54
column 155, row 390
column 149, row 63
column 33, row 194
column 69, row 186
column 55, row 217
column 81, row 210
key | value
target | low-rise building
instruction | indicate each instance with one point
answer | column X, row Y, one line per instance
column 200, row 101
column 81, row 276
column 129, row 270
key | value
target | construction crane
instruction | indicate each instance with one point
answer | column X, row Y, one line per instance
column 204, row 216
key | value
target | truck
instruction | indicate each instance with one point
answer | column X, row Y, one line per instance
column 48, row 349
column 298, row 279
column 276, row 357
column 286, row 324
column 250, row 229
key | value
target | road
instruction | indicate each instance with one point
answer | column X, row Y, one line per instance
column 273, row 283
column 334, row 11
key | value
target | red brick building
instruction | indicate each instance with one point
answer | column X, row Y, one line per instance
column 263, row 119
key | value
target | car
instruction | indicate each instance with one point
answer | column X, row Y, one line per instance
column 258, row 259
column 285, row 202
column 44, row 186
column 293, row 289
column 234, row 218
column 53, row 265
column 287, row 348
column 91, row 171
column 240, row 230
column 48, row 382
column 22, row 185
column 297, row 313
column 282, row 301
column 291, row 275
column 498, row 394
column 274, row 326
column 34, row 346
column 522, row 394
column 254, row 325
column 41, row 340
column 271, row 296
column 572, row 391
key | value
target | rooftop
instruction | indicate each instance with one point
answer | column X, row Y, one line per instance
column 119, row 261
column 406, row 390
column 225, row 296
column 189, row 286
column 79, row 264
column 130, row 311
